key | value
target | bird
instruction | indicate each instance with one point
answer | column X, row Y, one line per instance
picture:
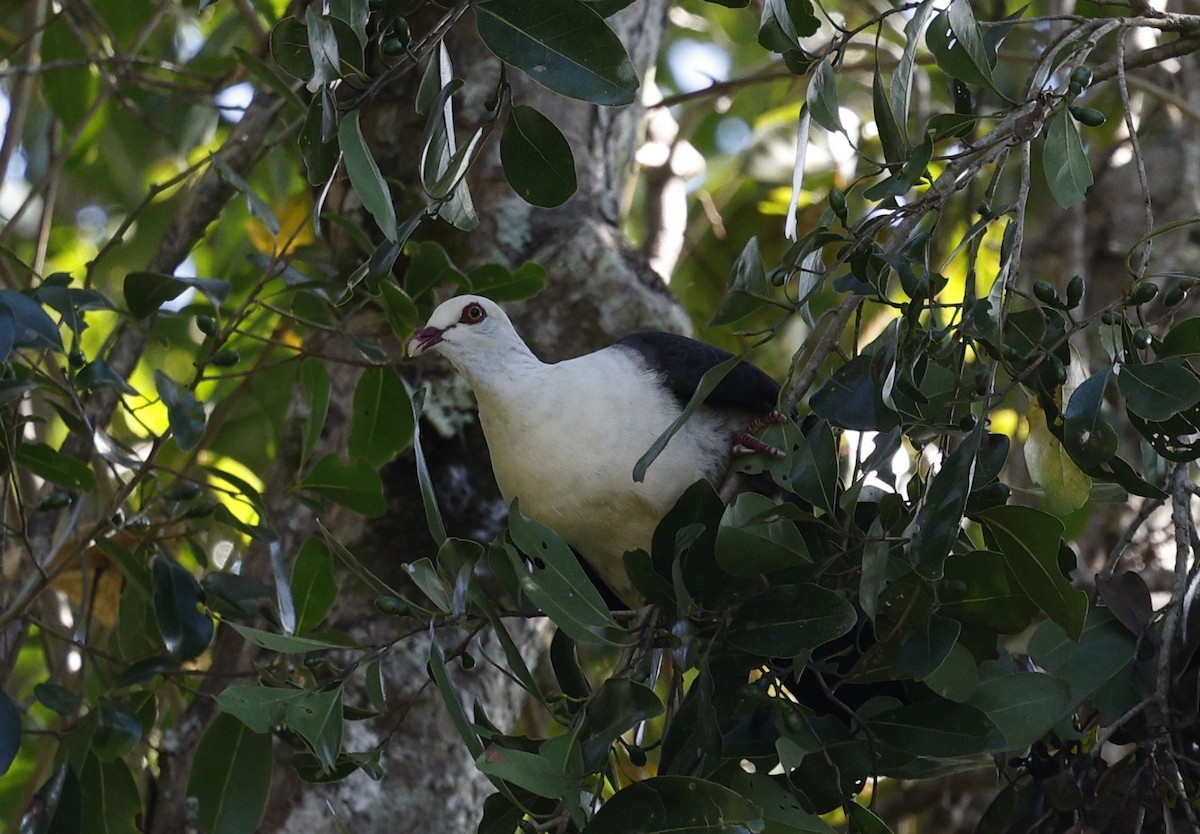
column 564, row 437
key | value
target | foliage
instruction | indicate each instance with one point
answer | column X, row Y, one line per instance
column 861, row 625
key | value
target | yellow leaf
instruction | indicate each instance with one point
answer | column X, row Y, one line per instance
column 1064, row 486
column 295, row 227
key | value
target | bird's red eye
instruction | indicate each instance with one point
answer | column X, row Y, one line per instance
column 473, row 313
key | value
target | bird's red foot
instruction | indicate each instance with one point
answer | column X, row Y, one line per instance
column 745, row 443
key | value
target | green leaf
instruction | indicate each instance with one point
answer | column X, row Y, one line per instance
column 815, row 476
column 1029, row 541
column 563, row 45
column 937, row 523
column 289, row 48
column 954, row 39
column 231, row 777
column 354, row 485
column 937, row 728
column 313, row 585
column 556, row 583
column 753, row 539
column 382, row 426
column 33, row 326
column 620, row 704
column 537, row 159
column 746, row 289
column 186, row 630
column 890, row 135
column 1024, row 705
column 257, row 205
column 10, row 732
column 1182, row 340
column 708, row 383
column 1158, row 391
column 1088, row 437
column 437, row 668
column 111, row 802
column 1064, row 161
column 678, row 804
column 901, row 85
column 497, row 282
column 535, row 772
column 318, row 139
column 851, row 398
column 783, row 812
column 50, row 695
column 282, row 643
column 117, row 730
column 185, row 414
column 55, row 467
column 433, row 515
column 1099, row 665
column 314, row 376
column 261, row 708
column 317, row 717
column 788, row 620
column 822, row 97
column 979, row 589
column 365, row 176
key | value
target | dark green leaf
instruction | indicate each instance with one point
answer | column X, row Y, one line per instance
column 10, row 732
column 966, row 32
column 556, row 583
column 1099, row 665
column 1159, row 390
column 747, row 287
column 433, row 516
column 51, row 695
column 537, row 159
column 936, row 526
column 186, row 630
column 951, row 53
column 55, row 467
column 145, row 292
column 937, row 728
column 231, row 777
column 788, row 620
column 890, row 135
column 289, row 48
column 99, row 374
column 678, row 804
column 815, row 476
column 1024, row 705
column 282, row 643
column 315, row 379
column 111, row 802
column 1182, row 340
column 382, row 412
column 33, row 326
column 979, row 589
column 851, row 398
column 956, row 677
column 354, row 485
column 365, row 175
column 822, row 97
column 1028, row 540
column 497, row 282
column 1064, row 161
column 620, row 704
column 313, row 585
column 901, row 85
column 1088, row 437
column 318, row 139
column 317, row 717
column 563, row 45
column 117, row 730
column 323, row 48
column 185, row 413
column 62, row 802
column 144, row 670
column 535, row 772
column 450, row 695
column 753, row 538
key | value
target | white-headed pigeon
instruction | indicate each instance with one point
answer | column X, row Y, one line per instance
column 564, row 437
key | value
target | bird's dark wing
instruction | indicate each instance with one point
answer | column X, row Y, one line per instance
column 683, row 361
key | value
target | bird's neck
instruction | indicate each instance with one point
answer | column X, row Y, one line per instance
column 500, row 377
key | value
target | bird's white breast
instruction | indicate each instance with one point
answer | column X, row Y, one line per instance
column 576, row 475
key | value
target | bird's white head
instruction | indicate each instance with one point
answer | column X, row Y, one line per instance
column 472, row 332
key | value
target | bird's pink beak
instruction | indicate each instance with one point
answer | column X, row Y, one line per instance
column 424, row 340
